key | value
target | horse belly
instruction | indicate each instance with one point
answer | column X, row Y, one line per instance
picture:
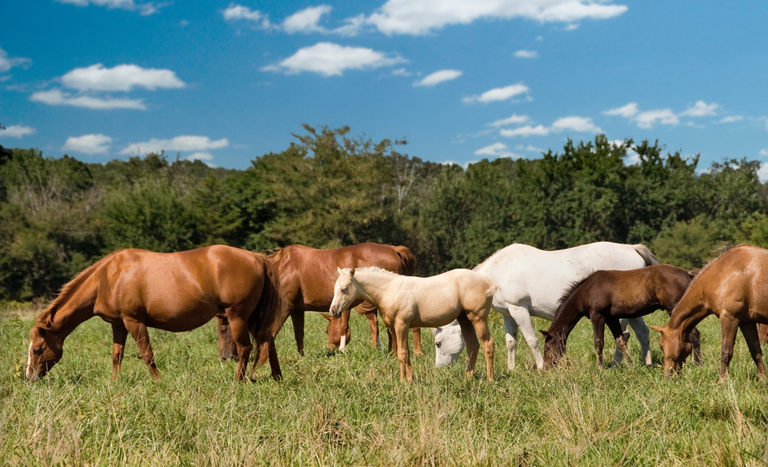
column 181, row 316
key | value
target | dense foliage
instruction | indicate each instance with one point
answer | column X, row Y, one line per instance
column 329, row 189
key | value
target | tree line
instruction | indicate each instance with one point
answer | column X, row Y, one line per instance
column 330, row 189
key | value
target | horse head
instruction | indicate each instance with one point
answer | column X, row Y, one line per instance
column 45, row 350
column 448, row 344
column 336, row 339
column 554, row 348
column 345, row 291
column 227, row 346
column 675, row 348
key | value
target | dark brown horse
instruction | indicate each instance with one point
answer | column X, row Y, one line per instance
column 135, row 289
column 307, row 276
column 733, row 287
column 607, row 296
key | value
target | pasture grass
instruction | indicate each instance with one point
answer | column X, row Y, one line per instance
column 352, row 409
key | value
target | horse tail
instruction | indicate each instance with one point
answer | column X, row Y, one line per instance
column 491, row 291
column 646, row 254
column 265, row 321
column 407, row 260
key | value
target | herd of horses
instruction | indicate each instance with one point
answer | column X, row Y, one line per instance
column 252, row 295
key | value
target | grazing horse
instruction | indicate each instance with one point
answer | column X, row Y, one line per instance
column 531, row 282
column 307, row 276
column 732, row 287
column 406, row 302
column 606, row 296
column 135, row 289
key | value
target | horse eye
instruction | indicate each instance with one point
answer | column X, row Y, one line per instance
column 38, row 351
column 438, row 344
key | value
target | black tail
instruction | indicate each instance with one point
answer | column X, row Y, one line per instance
column 265, row 321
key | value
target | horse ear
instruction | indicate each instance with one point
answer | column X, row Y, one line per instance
column 545, row 332
column 338, row 269
column 326, row 316
column 658, row 328
column 352, row 272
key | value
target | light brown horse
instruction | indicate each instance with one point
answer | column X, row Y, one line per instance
column 733, row 287
column 404, row 302
column 135, row 289
column 307, row 276
column 607, row 296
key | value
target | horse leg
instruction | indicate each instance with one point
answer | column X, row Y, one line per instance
column 729, row 326
column 119, row 334
column 482, row 331
column 243, row 342
column 763, row 333
column 141, row 336
column 598, row 330
column 373, row 323
column 522, row 317
column 510, row 335
column 297, row 317
column 417, row 342
column 643, row 335
column 470, row 338
column 695, row 339
column 621, row 346
column 403, row 355
column 749, row 330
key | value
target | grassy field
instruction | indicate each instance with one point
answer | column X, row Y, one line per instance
column 351, row 409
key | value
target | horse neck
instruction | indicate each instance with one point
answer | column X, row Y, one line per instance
column 688, row 313
column 566, row 318
column 373, row 284
column 70, row 311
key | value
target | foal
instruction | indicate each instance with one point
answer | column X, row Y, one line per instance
column 406, row 302
column 607, row 296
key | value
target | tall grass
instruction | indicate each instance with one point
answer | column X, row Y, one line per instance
column 351, row 408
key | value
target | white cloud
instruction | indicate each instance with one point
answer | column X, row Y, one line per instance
column 6, row 62
column 580, row 124
column 179, row 143
column 498, row 94
column 419, row 17
column 526, row 130
column 143, row 8
column 526, row 54
column 629, row 110
column 649, row 118
column 762, row 173
column 764, row 152
column 306, row 20
column 330, row 59
column 88, row 144
column 529, row 147
column 571, row 27
column 239, row 12
column 701, row 109
column 438, row 77
column 17, row 131
column 496, row 150
column 573, row 123
column 120, row 78
column 513, row 120
column 732, row 118
column 56, row 97
column 401, row 72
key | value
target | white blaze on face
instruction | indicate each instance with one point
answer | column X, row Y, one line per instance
column 29, row 360
column 343, row 343
column 448, row 344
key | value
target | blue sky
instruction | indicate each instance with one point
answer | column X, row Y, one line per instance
column 226, row 82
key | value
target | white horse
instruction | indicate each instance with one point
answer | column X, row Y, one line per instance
column 405, row 302
column 531, row 283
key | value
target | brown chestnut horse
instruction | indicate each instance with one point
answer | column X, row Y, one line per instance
column 135, row 289
column 733, row 287
column 307, row 276
column 607, row 296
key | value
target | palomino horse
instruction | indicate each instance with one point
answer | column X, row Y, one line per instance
column 135, row 289
column 531, row 282
column 307, row 276
column 606, row 296
column 406, row 302
column 733, row 287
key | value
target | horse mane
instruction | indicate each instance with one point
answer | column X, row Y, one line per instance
column 45, row 318
column 719, row 251
column 571, row 288
column 376, row 269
